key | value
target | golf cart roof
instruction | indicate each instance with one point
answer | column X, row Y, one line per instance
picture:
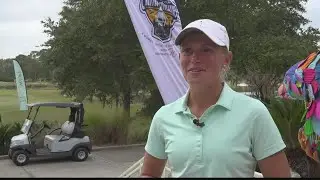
column 55, row 104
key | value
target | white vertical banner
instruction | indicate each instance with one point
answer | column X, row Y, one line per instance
column 21, row 86
column 157, row 24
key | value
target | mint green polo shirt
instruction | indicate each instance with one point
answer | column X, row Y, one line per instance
column 238, row 132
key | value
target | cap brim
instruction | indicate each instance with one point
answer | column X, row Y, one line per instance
column 183, row 34
column 187, row 31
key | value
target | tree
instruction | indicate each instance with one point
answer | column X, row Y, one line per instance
column 94, row 51
column 266, row 37
column 32, row 68
column 6, row 70
column 95, row 39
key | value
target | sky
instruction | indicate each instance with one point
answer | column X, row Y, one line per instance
column 21, row 31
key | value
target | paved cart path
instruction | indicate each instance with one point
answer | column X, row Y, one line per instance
column 103, row 163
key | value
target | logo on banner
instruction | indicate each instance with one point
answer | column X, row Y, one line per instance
column 162, row 14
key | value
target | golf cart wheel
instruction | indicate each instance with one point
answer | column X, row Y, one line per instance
column 80, row 154
column 20, row 157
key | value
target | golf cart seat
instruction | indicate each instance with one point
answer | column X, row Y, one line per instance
column 66, row 132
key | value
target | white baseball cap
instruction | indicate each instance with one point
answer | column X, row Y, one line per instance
column 215, row 31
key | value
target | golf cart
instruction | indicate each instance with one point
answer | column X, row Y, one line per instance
column 70, row 142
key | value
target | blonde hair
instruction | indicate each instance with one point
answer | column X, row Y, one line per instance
column 224, row 72
column 226, row 67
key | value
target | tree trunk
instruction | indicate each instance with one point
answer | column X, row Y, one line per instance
column 127, row 102
column 117, row 100
column 122, row 124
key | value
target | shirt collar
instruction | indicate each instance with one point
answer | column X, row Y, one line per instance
column 225, row 100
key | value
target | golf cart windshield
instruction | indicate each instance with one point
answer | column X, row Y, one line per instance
column 26, row 126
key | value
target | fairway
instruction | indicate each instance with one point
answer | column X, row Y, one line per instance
column 9, row 106
column 101, row 121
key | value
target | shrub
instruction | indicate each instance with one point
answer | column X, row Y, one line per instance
column 6, row 133
column 138, row 130
column 107, row 130
column 151, row 104
column 99, row 130
column 287, row 115
column 117, row 129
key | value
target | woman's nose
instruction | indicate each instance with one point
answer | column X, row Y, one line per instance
column 194, row 58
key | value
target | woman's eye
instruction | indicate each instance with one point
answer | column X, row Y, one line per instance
column 207, row 50
column 186, row 51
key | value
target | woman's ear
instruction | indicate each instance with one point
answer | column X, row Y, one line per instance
column 228, row 58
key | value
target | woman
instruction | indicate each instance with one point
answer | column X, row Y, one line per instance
column 212, row 131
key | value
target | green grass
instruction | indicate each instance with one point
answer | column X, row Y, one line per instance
column 29, row 85
column 100, row 121
column 9, row 106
